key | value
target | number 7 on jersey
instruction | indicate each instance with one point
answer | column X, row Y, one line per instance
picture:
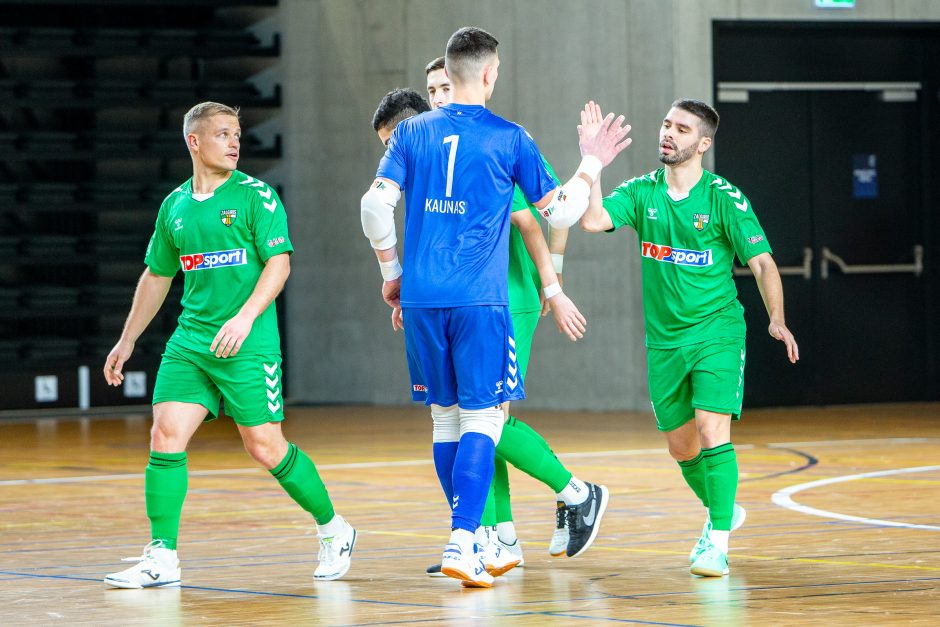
column 453, row 140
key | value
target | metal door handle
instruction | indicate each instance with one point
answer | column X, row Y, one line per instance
column 804, row 270
column 915, row 268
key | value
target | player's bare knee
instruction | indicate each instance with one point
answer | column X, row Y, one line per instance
column 684, row 451
column 165, row 437
column 488, row 421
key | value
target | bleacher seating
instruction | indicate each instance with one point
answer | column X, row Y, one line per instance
column 91, row 100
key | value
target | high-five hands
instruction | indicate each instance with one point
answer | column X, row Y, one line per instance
column 600, row 136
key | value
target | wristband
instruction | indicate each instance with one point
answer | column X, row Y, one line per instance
column 591, row 166
column 551, row 290
column 559, row 262
column 391, row 270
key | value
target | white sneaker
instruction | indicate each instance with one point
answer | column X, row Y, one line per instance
column 559, row 544
column 157, row 567
column 738, row 516
column 499, row 560
column 468, row 568
column 335, row 554
column 515, row 548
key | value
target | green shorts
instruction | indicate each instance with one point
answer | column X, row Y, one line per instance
column 523, row 329
column 249, row 384
column 708, row 375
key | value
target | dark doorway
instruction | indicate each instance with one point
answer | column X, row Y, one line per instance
column 839, row 173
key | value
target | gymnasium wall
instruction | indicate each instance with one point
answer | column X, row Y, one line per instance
column 340, row 56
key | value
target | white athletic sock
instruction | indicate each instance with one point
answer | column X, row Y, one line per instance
column 720, row 539
column 559, row 496
column 506, row 532
column 575, row 493
column 331, row 528
column 464, row 539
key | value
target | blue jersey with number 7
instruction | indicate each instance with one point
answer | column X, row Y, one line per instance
column 457, row 166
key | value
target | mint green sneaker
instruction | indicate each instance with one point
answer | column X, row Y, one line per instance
column 711, row 563
column 737, row 519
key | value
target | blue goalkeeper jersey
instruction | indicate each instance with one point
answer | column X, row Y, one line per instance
column 457, row 166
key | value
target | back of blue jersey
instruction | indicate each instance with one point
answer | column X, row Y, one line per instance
column 457, row 166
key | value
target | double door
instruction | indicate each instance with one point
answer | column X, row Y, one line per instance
column 835, row 177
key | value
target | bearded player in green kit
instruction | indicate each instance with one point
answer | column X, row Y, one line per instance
column 690, row 224
column 227, row 231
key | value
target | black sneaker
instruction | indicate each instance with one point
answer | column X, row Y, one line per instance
column 584, row 520
column 435, row 571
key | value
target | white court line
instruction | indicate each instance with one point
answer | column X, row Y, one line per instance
column 244, row 471
column 782, row 498
column 852, row 442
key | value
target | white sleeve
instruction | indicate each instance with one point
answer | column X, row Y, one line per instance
column 377, row 211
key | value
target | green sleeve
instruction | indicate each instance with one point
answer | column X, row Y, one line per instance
column 163, row 257
column 269, row 225
column 743, row 229
column 621, row 205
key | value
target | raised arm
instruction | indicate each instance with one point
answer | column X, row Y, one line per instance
column 229, row 339
column 595, row 219
column 771, row 291
column 601, row 140
column 567, row 317
column 148, row 298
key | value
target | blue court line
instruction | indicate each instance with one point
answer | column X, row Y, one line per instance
column 496, row 613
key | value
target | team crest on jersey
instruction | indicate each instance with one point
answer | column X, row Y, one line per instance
column 228, row 216
column 700, row 221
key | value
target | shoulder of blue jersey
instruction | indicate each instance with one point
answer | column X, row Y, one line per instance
column 728, row 192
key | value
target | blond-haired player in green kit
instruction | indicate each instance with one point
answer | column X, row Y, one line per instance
column 227, row 232
column 690, row 224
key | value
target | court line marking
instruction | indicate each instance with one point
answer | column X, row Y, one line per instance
column 783, row 498
column 383, row 464
column 853, row 442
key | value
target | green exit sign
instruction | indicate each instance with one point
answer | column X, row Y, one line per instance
column 835, row 4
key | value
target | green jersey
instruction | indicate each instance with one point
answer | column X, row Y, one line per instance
column 687, row 248
column 524, row 281
column 221, row 243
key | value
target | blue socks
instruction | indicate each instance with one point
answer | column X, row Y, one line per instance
column 472, row 474
column 444, row 455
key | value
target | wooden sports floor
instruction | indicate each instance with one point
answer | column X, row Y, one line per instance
column 843, row 525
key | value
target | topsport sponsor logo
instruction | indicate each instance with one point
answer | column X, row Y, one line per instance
column 209, row 261
column 678, row 256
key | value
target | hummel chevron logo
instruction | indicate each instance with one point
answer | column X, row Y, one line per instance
column 274, row 406
column 741, row 205
column 512, row 383
column 270, row 369
column 151, row 575
column 512, row 356
column 512, row 369
column 272, row 394
column 266, row 194
column 735, row 194
column 456, row 501
column 512, row 342
column 726, row 186
column 248, row 180
column 272, row 382
column 270, row 206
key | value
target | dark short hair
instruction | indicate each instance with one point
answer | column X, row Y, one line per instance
column 467, row 50
column 704, row 112
column 436, row 64
column 398, row 105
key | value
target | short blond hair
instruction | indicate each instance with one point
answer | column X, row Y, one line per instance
column 204, row 111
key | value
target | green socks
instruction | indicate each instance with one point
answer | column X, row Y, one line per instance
column 298, row 476
column 503, row 509
column 165, row 483
column 488, row 518
column 522, row 447
column 695, row 473
column 721, row 483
